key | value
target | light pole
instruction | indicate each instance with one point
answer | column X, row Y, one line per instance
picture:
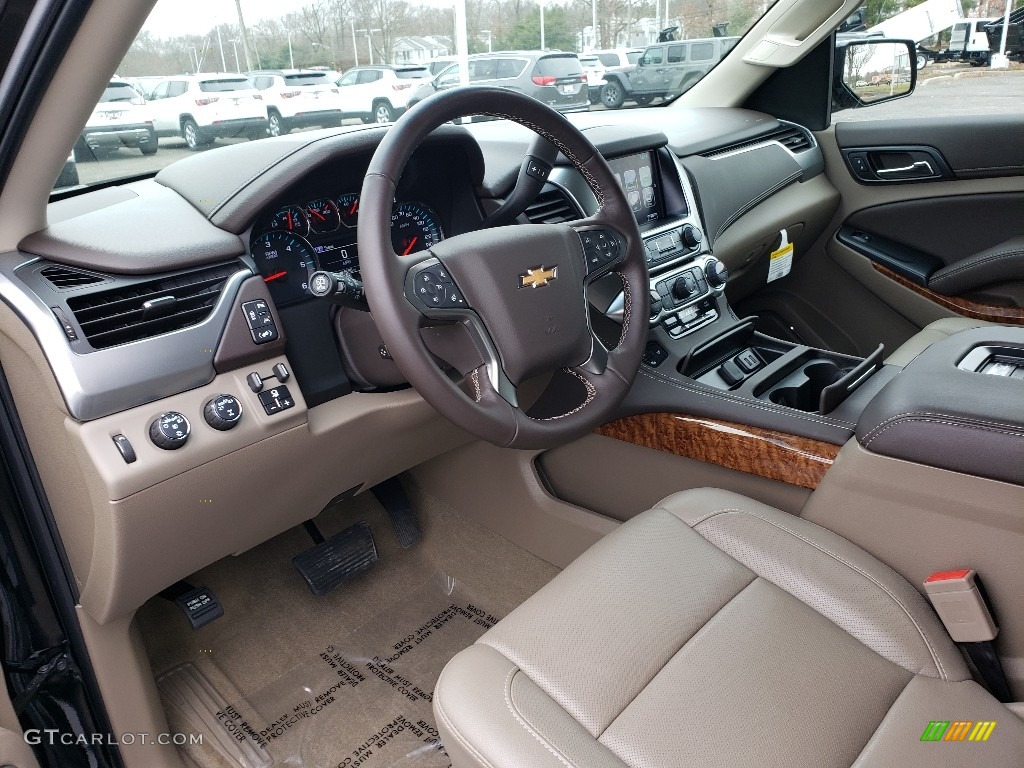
column 355, row 49
column 593, row 25
column 234, row 47
column 369, row 41
column 542, row 45
column 488, row 33
column 220, row 42
column 291, row 54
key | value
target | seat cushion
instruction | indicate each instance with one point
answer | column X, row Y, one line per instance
column 930, row 334
column 714, row 630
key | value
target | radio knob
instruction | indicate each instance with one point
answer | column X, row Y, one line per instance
column 717, row 273
column 169, row 431
column 692, row 236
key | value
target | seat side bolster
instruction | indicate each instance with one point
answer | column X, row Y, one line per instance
column 513, row 722
column 836, row 578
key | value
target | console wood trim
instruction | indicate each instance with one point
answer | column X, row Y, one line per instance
column 960, row 305
column 775, row 455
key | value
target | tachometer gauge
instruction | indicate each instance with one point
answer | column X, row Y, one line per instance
column 285, row 261
column 323, row 215
column 292, row 219
column 414, row 227
column 348, row 208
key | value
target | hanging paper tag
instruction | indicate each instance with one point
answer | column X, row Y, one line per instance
column 781, row 260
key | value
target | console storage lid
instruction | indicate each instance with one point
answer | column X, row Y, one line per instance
column 959, row 405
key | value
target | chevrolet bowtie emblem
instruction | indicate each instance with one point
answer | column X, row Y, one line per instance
column 538, row 277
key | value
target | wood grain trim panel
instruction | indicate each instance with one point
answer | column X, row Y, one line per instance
column 960, row 305
column 764, row 452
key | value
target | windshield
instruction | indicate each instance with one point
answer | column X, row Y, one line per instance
column 211, row 71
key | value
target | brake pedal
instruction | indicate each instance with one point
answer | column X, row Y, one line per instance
column 335, row 560
column 393, row 498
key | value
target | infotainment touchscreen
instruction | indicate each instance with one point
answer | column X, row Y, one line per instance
column 638, row 177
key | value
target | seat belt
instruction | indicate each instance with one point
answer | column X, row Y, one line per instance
column 959, row 599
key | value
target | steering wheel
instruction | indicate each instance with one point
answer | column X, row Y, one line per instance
column 515, row 295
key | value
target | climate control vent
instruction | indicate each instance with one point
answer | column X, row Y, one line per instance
column 63, row 278
column 792, row 137
column 149, row 308
column 552, row 206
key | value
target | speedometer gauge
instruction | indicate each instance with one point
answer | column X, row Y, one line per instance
column 348, row 209
column 285, row 261
column 414, row 227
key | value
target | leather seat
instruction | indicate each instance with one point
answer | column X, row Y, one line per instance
column 715, row 631
column 931, row 333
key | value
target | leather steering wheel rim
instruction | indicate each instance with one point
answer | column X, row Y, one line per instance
column 507, row 322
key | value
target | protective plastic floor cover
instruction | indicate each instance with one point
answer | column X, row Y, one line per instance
column 363, row 700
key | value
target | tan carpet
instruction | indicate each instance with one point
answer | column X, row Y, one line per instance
column 373, row 646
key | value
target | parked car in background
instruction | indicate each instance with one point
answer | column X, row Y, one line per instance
column 664, row 71
column 557, row 79
column 68, row 174
column 597, row 62
column 440, row 64
column 145, row 85
column 202, row 108
column 379, row 93
column 298, row 98
column 122, row 118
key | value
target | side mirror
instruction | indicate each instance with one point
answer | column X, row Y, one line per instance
column 870, row 71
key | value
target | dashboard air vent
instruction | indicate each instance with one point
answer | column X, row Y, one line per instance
column 790, row 136
column 63, row 277
column 138, row 311
column 551, row 207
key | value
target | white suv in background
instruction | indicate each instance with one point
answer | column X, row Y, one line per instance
column 298, row 98
column 121, row 119
column 201, row 108
column 379, row 94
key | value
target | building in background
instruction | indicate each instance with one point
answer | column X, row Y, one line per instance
column 420, row 50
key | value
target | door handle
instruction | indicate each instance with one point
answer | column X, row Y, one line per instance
column 920, row 165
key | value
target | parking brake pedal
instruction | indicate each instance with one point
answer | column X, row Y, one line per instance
column 393, row 498
column 335, row 560
column 199, row 604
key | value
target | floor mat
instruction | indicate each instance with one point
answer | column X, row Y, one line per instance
column 286, row 678
column 364, row 699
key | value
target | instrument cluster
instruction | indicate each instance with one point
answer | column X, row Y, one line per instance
column 294, row 241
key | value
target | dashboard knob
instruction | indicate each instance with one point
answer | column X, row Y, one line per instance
column 692, row 236
column 169, row 431
column 684, row 287
column 223, row 412
column 717, row 273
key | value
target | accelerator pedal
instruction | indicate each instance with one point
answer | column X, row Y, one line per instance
column 335, row 560
column 393, row 498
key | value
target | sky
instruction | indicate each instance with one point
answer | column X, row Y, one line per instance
column 179, row 17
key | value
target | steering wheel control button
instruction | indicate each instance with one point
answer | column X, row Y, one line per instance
column 435, row 288
column 124, row 447
column 223, row 412
column 169, row 431
column 255, row 382
column 281, row 372
column 260, row 321
column 600, row 248
column 537, row 169
column 276, row 400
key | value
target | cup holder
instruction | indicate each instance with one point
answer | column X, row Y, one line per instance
column 806, row 396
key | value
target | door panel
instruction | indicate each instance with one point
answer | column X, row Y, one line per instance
column 948, row 221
